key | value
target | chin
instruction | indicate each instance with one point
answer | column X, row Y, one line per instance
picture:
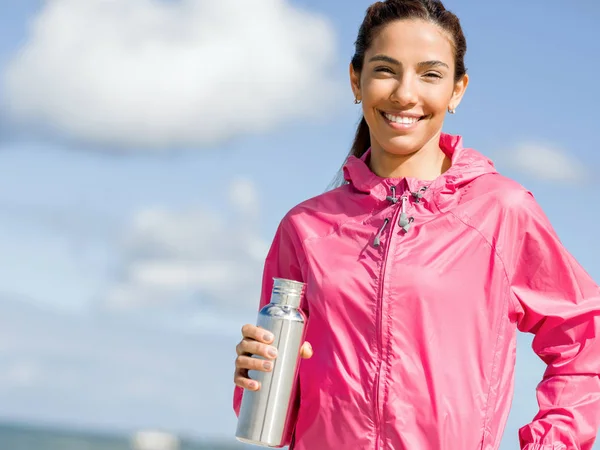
column 403, row 145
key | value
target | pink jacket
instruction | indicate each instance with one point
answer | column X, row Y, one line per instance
column 415, row 291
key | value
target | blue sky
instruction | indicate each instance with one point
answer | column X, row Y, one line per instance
column 120, row 230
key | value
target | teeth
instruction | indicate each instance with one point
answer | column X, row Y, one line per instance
column 402, row 120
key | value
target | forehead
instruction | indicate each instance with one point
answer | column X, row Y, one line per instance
column 413, row 40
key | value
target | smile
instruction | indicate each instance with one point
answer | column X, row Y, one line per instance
column 403, row 121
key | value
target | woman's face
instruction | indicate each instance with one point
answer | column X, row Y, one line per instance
column 407, row 85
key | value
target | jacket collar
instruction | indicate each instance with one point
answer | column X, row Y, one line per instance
column 467, row 164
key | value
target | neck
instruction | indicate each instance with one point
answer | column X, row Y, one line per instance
column 425, row 164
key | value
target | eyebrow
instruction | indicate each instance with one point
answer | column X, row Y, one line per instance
column 433, row 63
column 385, row 58
column 421, row 65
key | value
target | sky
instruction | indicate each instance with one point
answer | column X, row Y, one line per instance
column 149, row 148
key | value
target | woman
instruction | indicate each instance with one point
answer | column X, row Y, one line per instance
column 421, row 268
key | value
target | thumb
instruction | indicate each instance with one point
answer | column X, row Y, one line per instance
column 307, row 351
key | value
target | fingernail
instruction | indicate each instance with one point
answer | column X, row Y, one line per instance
column 268, row 337
column 267, row 365
column 252, row 385
column 272, row 352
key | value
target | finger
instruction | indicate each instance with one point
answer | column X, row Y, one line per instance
column 247, row 347
column 250, row 331
column 249, row 363
column 306, row 351
column 245, row 382
column 256, row 348
column 238, row 349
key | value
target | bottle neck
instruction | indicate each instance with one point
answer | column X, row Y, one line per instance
column 287, row 292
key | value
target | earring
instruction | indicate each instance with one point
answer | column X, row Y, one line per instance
column 451, row 110
column 357, row 101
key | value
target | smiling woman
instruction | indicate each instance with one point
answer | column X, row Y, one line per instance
column 407, row 89
column 419, row 270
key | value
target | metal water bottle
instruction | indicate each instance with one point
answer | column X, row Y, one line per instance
column 265, row 417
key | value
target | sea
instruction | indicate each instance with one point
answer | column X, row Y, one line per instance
column 24, row 437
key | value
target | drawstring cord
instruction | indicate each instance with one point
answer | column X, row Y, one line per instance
column 392, row 198
column 405, row 222
column 419, row 194
column 377, row 240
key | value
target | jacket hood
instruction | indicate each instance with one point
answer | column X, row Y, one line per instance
column 467, row 165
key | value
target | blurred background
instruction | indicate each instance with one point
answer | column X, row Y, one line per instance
column 148, row 150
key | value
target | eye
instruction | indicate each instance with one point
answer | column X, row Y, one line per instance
column 434, row 75
column 383, row 69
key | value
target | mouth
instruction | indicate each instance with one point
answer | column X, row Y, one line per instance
column 403, row 119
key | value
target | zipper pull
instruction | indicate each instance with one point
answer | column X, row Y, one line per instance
column 392, row 198
column 405, row 222
column 377, row 240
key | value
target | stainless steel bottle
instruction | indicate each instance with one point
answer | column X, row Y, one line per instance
column 265, row 417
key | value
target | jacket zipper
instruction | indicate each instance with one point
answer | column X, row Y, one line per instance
column 380, row 325
column 405, row 222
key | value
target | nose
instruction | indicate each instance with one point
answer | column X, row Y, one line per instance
column 405, row 92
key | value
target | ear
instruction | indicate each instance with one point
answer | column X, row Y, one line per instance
column 459, row 90
column 355, row 82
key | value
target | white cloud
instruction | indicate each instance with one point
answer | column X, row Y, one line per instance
column 188, row 263
column 243, row 195
column 548, row 163
column 152, row 74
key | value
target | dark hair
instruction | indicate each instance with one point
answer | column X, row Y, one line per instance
column 382, row 13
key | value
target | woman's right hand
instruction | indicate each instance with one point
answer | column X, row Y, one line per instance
column 256, row 341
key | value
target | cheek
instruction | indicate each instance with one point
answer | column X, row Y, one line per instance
column 439, row 105
column 435, row 97
column 375, row 91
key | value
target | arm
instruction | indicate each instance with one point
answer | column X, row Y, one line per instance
column 557, row 301
column 282, row 262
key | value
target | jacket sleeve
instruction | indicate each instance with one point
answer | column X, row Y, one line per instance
column 557, row 301
column 283, row 261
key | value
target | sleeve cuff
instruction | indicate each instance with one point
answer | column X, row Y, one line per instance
column 545, row 447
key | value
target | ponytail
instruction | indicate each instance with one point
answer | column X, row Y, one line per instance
column 362, row 143
column 362, row 139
